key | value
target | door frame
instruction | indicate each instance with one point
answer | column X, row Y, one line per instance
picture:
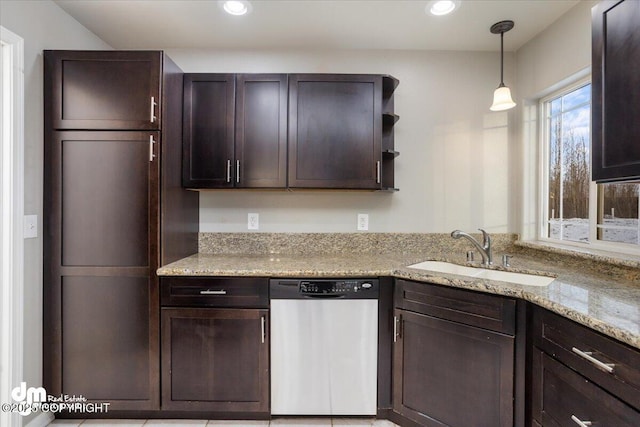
column 11, row 221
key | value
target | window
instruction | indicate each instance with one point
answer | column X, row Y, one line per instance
column 575, row 210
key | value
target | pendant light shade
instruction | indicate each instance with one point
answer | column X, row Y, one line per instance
column 502, row 99
column 502, row 96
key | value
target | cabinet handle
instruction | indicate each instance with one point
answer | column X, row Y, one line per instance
column 228, row 170
column 608, row 367
column 263, row 326
column 212, row 292
column 152, row 142
column 153, row 117
column 580, row 422
column 396, row 328
column 378, row 172
column 237, row 170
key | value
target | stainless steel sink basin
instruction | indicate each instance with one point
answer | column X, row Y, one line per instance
column 483, row 273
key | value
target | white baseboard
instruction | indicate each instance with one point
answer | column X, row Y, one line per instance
column 41, row 420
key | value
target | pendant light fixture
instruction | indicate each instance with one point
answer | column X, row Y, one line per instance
column 502, row 96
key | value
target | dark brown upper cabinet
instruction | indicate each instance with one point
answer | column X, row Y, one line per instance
column 235, row 131
column 616, row 91
column 289, row 131
column 117, row 90
column 261, row 131
column 209, row 117
column 336, row 126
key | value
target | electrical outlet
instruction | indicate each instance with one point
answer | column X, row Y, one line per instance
column 253, row 221
column 30, row 226
column 363, row 222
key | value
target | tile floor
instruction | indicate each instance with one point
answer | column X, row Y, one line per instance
column 297, row 422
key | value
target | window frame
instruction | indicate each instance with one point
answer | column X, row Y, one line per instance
column 543, row 182
column 11, row 221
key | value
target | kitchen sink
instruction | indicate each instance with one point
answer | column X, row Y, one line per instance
column 483, row 273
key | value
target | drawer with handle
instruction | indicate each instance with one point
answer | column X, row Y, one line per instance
column 561, row 397
column 214, row 292
column 611, row 364
column 492, row 312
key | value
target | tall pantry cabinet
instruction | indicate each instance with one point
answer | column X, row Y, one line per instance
column 114, row 212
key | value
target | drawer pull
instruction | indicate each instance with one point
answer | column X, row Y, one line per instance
column 608, row 367
column 263, row 325
column 580, row 422
column 211, row 292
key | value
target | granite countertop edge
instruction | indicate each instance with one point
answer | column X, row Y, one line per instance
column 396, row 266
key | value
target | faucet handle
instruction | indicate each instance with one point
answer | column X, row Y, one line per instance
column 506, row 260
column 486, row 239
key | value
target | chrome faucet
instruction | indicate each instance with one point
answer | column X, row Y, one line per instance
column 484, row 249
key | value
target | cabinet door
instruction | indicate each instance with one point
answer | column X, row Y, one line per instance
column 261, row 131
column 561, row 397
column 100, row 255
column 449, row 374
column 616, row 91
column 111, row 90
column 215, row 360
column 335, row 131
column 208, row 135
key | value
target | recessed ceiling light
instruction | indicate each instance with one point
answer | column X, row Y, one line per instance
column 236, row 7
column 442, row 7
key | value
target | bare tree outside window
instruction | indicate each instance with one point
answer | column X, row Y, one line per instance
column 567, row 133
column 618, row 213
column 568, row 185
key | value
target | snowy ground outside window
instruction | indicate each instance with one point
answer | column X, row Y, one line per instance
column 577, row 230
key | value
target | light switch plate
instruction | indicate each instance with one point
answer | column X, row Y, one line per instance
column 30, row 230
column 363, row 222
column 253, row 221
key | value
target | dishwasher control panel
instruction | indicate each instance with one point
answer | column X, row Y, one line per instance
column 333, row 286
column 318, row 288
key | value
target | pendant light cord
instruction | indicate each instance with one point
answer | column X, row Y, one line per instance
column 502, row 58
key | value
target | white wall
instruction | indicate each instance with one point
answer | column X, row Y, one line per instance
column 42, row 25
column 557, row 56
column 453, row 170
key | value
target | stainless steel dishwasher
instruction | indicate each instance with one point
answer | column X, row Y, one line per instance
column 324, row 346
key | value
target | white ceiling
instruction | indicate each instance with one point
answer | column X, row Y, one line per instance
column 313, row 24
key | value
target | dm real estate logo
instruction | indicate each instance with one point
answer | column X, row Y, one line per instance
column 31, row 399
column 27, row 399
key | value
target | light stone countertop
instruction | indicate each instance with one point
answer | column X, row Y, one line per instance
column 604, row 299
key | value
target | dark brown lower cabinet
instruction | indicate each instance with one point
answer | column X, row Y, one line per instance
column 562, row 397
column 106, row 344
column 101, row 294
column 581, row 376
column 215, row 360
column 450, row 374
